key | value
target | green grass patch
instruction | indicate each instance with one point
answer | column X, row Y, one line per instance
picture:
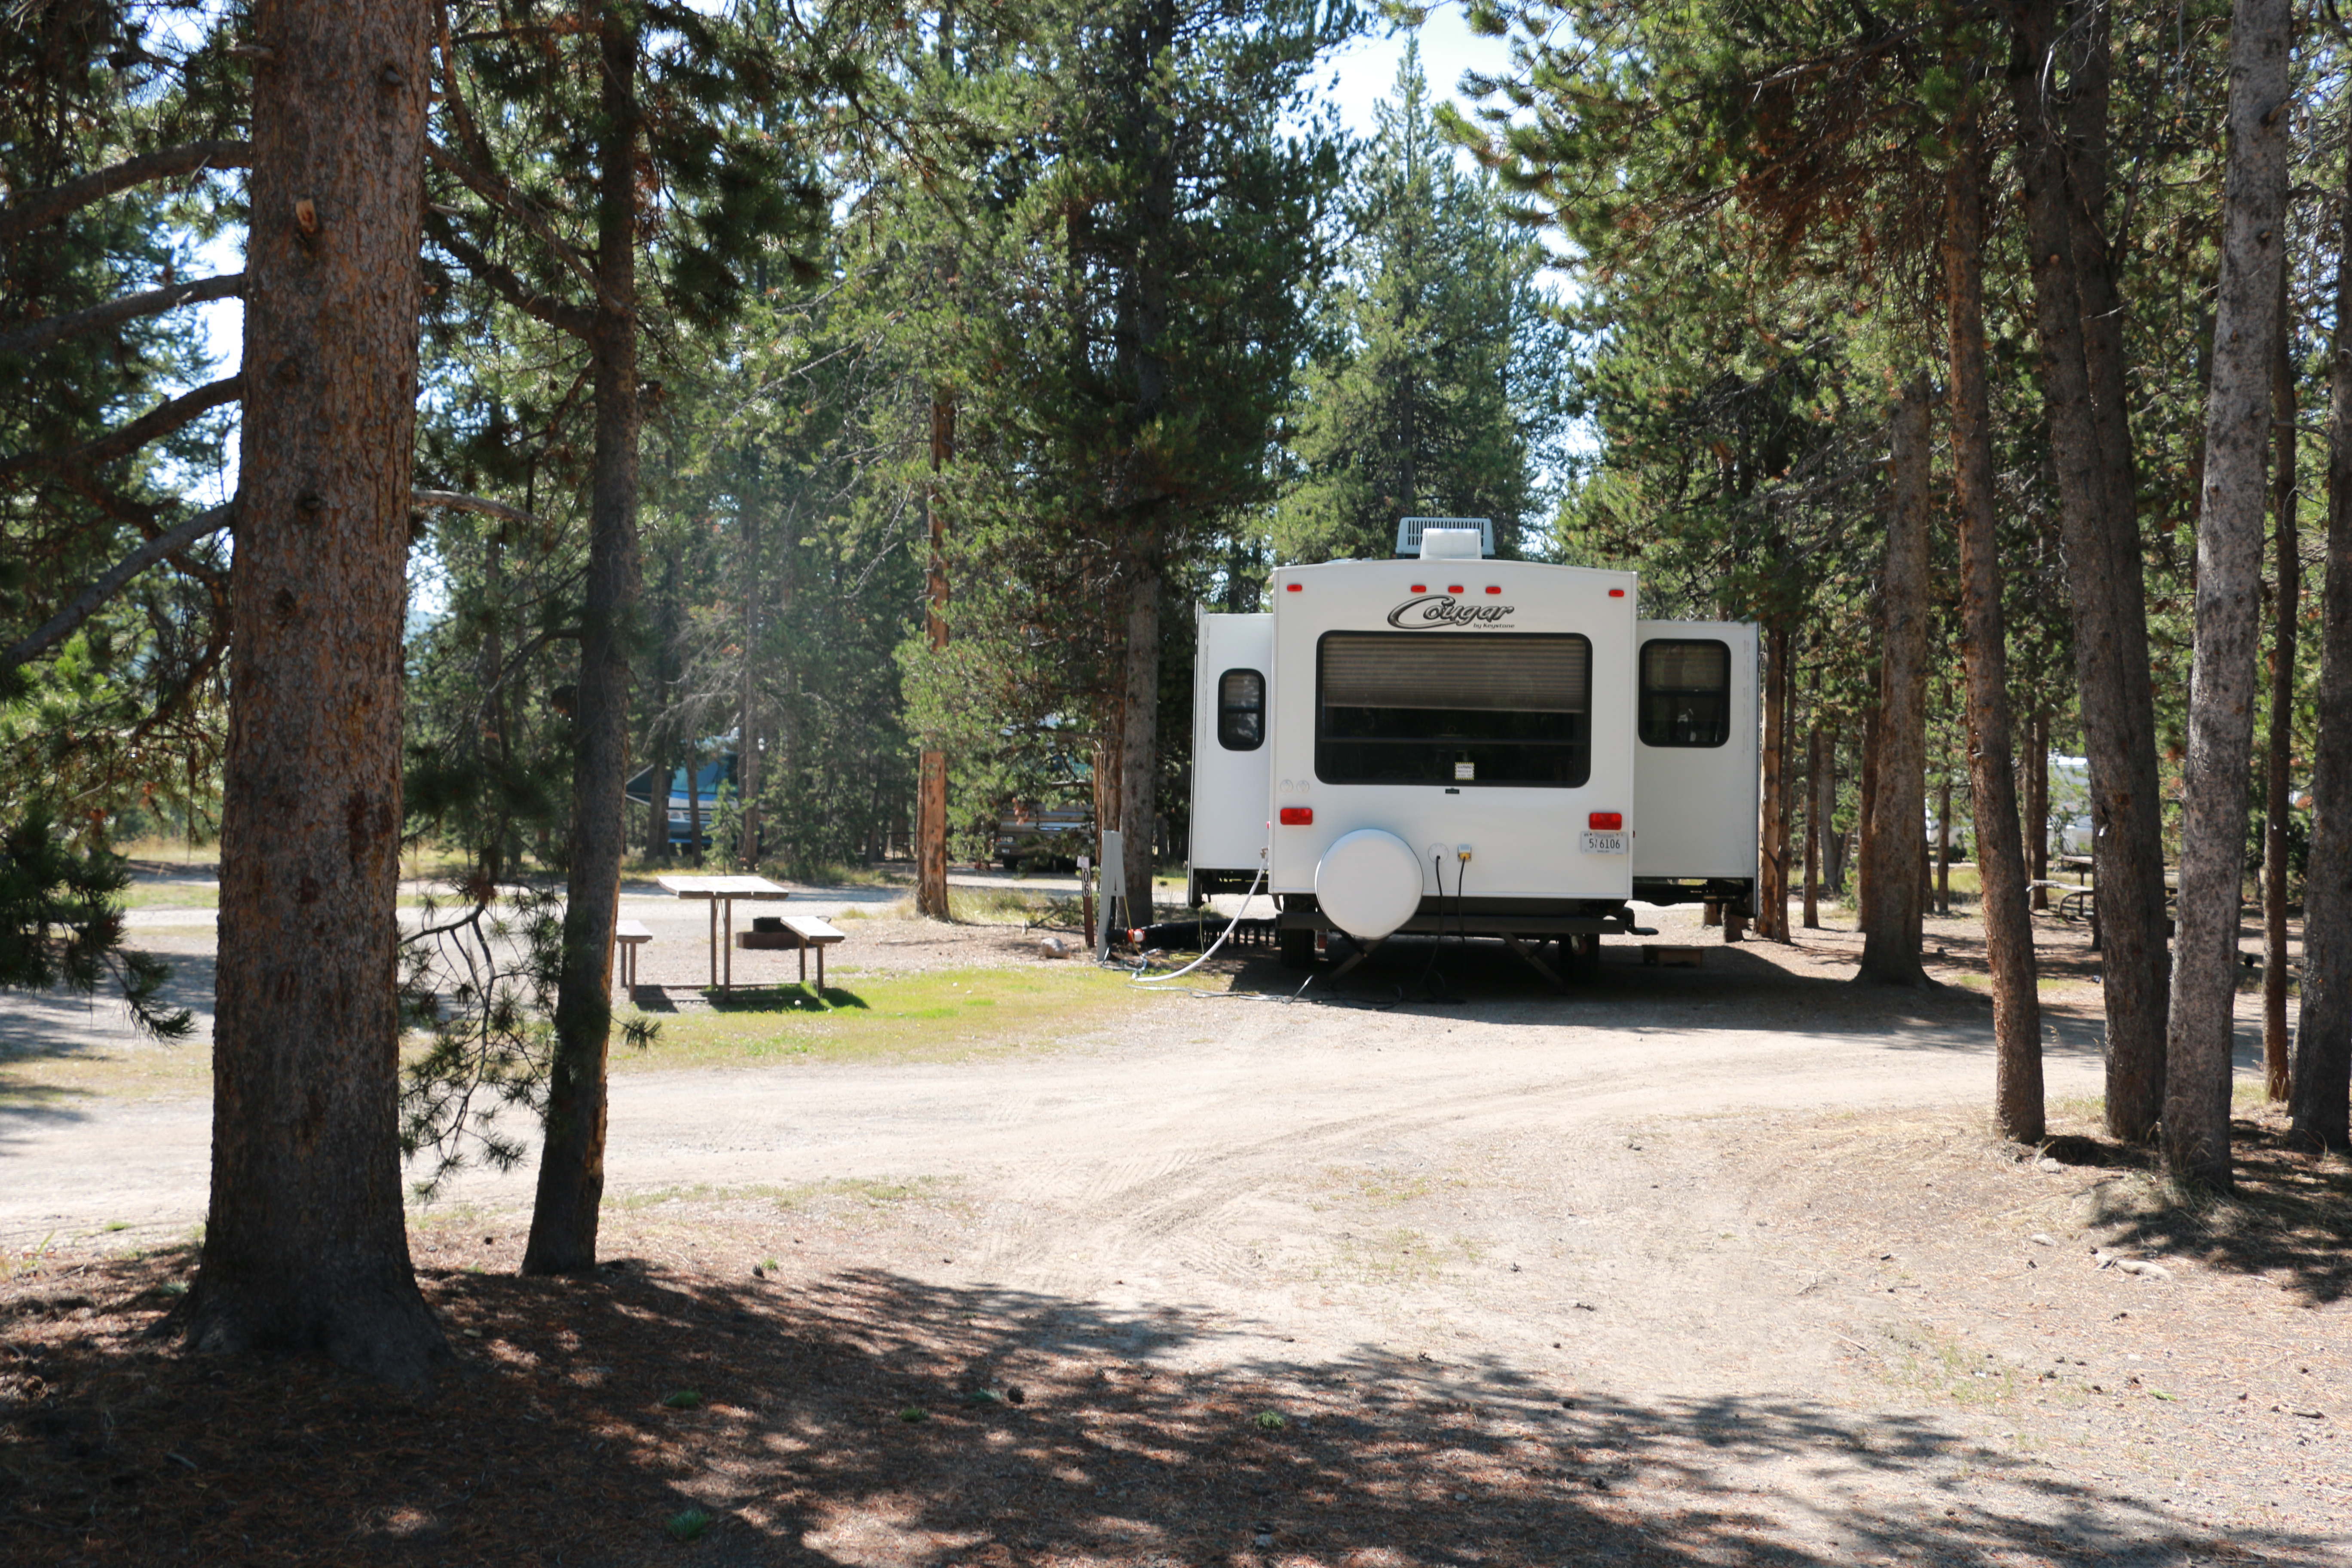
column 915, row 1017
column 171, row 895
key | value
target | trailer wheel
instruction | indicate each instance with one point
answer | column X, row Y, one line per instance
column 1579, row 956
column 1298, row 949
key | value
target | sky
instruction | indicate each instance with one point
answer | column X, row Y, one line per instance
column 1362, row 75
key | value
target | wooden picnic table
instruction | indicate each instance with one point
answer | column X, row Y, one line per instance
column 722, row 892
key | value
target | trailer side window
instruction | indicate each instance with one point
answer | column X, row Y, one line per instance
column 1439, row 707
column 1686, row 692
column 1241, row 710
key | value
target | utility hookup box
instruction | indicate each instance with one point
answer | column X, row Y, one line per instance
column 1449, row 742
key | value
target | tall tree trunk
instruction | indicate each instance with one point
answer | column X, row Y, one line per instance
column 1866, row 823
column 2229, row 601
column 1892, row 850
column 931, row 787
column 1992, row 774
column 1788, row 827
column 1825, row 794
column 747, row 703
column 2278, row 797
column 1772, row 888
column 2037, row 804
column 306, row 1244
column 1817, row 767
column 662, row 745
column 1943, row 841
column 2091, row 453
column 1138, row 741
column 1142, row 352
column 2319, row 1096
column 570, row 1190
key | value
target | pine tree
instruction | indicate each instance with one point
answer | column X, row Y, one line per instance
column 1442, row 378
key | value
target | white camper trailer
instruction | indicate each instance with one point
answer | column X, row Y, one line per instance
column 1448, row 743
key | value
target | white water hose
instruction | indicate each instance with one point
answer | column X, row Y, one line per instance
column 1136, row 978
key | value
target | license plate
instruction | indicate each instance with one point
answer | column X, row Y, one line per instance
column 1605, row 844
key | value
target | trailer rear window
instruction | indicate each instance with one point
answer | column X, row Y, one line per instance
column 1453, row 709
column 1241, row 710
column 1686, row 692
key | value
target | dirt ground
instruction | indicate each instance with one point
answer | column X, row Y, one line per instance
column 1433, row 1266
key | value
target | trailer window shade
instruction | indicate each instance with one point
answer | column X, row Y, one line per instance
column 1241, row 710
column 1482, row 673
column 1453, row 709
column 1685, row 699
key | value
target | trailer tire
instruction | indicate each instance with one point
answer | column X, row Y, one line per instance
column 1580, row 957
column 1298, row 949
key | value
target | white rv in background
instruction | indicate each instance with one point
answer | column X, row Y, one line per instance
column 1448, row 743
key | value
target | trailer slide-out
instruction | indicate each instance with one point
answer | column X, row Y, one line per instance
column 1445, row 742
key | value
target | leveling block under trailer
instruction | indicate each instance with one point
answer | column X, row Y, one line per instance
column 1448, row 743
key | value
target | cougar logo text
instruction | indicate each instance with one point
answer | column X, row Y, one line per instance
column 1445, row 610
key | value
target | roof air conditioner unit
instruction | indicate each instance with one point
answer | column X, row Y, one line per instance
column 1411, row 528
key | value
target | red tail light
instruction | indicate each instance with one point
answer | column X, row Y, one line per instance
column 1606, row 821
column 1298, row 816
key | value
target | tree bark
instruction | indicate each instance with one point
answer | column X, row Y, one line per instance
column 570, row 1190
column 1825, row 789
column 2228, row 602
column 2037, row 806
column 2319, row 1094
column 305, row 1242
column 1891, row 851
column 1817, row 766
column 1772, row 888
column 1144, row 367
column 1865, row 815
column 2279, row 794
column 931, row 787
column 2076, row 327
column 1992, row 777
column 747, row 733
column 1943, row 842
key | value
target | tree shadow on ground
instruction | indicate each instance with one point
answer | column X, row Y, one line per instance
column 2288, row 1218
column 57, row 1023
column 1732, row 988
column 865, row 1417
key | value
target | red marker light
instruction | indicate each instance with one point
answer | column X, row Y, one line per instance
column 1454, row 588
column 1492, row 589
column 1616, row 593
column 1298, row 816
column 1420, row 587
column 1292, row 586
column 1606, row 821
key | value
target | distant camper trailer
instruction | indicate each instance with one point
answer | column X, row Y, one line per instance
column 1445, row 742
column 1044, row 838
column 640, row 792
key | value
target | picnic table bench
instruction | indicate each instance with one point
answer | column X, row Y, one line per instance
column 627, row 937
column 722, row 892
column 804, row 933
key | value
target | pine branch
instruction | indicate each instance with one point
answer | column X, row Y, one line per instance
column 156, row 422
column 501, row 279
column 35, row 209
column 502, row 194
column 86, row 603
column 458, row 500
column 35, row 336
